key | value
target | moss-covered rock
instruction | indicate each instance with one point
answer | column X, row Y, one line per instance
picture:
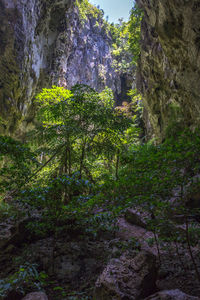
column 169, row 65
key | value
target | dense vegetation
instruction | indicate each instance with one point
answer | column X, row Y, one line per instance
column 135, row 31
column 125, row 35
column 86, row 8
column 85, row 163
column 78, row 143
column 123, row 58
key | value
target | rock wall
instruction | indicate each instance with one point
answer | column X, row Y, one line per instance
column 169, row 67
column 27, row 34
column 83, row 54
column 45, row 42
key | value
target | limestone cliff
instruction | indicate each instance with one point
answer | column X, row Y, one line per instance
column 169, row 67
column 27, row 33
column 83, row 53
column 45, row 42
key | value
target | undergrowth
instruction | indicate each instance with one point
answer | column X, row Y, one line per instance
column 96, row 167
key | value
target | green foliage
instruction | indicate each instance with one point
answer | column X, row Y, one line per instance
column 95, row 167
column 149, row 176
column 78, row 127
column 7, row 211
column 75, row 216
column 126, row 38
column 131, row 244
column 24, row 280
column 137, row 106
column 135, row 32
column 121, row 51
column 86, row 9
column 160, row 166
column 16, row 160
column 80, row 133
column 106, row 97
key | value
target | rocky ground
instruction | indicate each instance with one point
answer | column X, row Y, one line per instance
column 116, row 266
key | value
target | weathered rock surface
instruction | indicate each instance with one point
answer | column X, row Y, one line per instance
column 127, row 278
column 36, row 296
column 83, row 54
column 5, row 233
column 14, row 233
column 169, row 67
column 171, row 295
column 72, row 262
column 133, row 217
column 28, row 31
column 128, row 232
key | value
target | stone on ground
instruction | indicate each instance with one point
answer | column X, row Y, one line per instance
column 134, row 218
column 128, row 277
column 172, row 295
column 36, row 296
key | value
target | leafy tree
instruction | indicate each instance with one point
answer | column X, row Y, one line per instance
column 79, row 132
column 135, row 31
column 137, row 107
column 121, row 48
column 77, row 128
column 16, row 161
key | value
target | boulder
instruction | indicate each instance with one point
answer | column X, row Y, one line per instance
column 128, row 231
column 13, row 295
column 172, row 295
column 15, row 233
column 128, row 277
column 66, row 268
column 134, row 218
column 71, row 262
column 36, row 296
column 5, row 234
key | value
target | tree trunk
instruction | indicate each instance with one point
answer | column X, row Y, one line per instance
column 117, row 165
column 82, row 158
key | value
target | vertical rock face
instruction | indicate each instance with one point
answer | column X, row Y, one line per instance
column 169, row 67
column 27, row 34
column 45, row 42
column 83, row 54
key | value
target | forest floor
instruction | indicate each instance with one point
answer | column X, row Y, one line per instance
column 73, row 263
